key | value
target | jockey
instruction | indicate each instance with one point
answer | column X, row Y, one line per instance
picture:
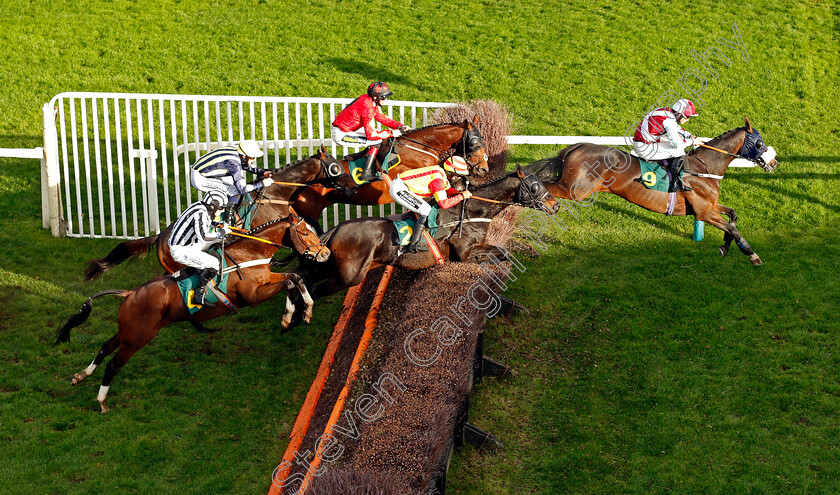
column 409, row 187
column 221, row 170
column 353, row 126
column 666, row 122
column 191, row 236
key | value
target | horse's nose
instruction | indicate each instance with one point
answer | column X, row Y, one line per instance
column 555, row 207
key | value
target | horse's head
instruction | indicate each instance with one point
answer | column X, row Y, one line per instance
column 333, row 174
column 755, row 149
column 321, row 168
column 306, row 240
column 533, row 193
column 471, row 147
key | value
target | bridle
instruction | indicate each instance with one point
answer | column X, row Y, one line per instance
column 753, row 149
column 470, row 144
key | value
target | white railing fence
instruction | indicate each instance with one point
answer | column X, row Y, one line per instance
column 117, row 164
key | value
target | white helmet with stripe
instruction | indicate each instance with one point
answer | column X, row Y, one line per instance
column 216, row 199
column 249, row 148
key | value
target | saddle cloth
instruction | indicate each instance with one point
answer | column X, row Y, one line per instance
column 405, row 223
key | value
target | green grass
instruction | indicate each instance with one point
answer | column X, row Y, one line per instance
column 648, row 365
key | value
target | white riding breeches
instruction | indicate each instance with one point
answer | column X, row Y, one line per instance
column 657, row 151
column 222, row 184
column 193, row 256
column 400, row 193
column 352, row 138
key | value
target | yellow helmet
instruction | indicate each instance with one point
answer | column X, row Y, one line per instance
column 249, row 148
column 456, row 164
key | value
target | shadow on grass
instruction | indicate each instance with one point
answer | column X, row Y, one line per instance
column 758, row 181
column 368, row 71
column 667, row 227
column 811, row 158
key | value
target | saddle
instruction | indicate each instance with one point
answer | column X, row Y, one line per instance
column 656, row 176
column 187, row 280
column 404, row 225
column 387, row 157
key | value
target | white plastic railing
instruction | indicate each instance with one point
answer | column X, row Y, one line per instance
column 117, row 164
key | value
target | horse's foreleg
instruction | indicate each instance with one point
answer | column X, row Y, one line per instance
column 107, row 348
column 727, row 237
column 253, row 294
column 297, row 280
column 729, row 229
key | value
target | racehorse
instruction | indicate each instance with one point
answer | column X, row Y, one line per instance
column 582, row 169
column 270, row 204
column 419, row 148
column 159, row 302
column 366, row 243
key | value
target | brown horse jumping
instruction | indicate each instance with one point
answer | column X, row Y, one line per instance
column 419, row 148
column 270, row 204
column 158, row 302
column 360, row 245
column 583, row 169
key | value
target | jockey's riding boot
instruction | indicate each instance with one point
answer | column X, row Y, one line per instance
column 676, row 168
column 369, row 170
column 230, row 213
column 419, row 228
column 204, row 276
column 356, row 155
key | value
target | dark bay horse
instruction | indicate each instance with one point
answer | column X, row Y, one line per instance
column 270, row 204
column 158, row 302
column 582, row 169
column 419, row 148
column 362, row 244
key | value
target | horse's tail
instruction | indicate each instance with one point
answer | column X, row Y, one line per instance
column 551, row 169
column 63, row 334
column 122, row 252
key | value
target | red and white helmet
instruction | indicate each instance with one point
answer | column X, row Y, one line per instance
column 456, row 164
column 685, row 108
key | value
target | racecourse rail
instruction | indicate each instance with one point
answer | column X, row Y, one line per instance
column 116, row 165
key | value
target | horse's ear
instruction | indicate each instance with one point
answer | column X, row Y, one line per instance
column 520, row 172
column 475, row 119
column 323, row 149
column 747, row 124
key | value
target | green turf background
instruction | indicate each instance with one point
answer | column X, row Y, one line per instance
column 648, row 365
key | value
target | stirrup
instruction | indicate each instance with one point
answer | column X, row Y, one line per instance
column 199, row 296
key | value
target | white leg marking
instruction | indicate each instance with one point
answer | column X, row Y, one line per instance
column 103, row 391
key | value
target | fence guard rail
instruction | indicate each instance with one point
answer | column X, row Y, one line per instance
column 117, row 164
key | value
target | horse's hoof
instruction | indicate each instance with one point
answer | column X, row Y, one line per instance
column 307, row 317
column 755, row 260
column 77, row 378
column 723, row 251
column 286, row 322
column 104, row 408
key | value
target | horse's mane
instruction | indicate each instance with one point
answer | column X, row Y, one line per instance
column 721, row 136
column 493, row 181
column 544, row 168
column 434, row 125
column 294, row 163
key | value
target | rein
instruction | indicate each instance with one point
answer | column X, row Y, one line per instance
column 704, row 145
column 493, row 201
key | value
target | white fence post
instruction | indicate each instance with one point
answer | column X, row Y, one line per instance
column 50, row 175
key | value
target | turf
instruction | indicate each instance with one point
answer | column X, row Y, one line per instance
column 649, row 364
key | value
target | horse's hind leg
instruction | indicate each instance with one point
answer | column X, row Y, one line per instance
column 111, row 369
column 107, row 348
